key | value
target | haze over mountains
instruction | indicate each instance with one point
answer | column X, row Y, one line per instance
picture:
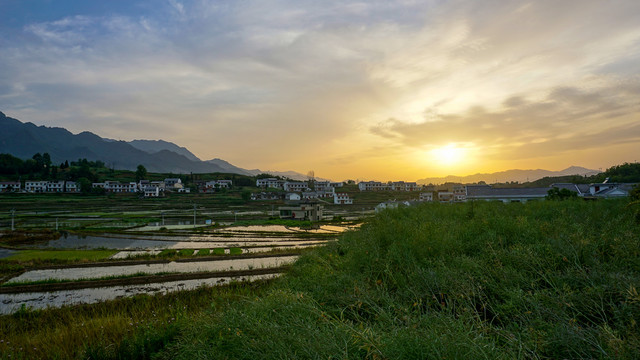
column 25, row 139
column 510, row 175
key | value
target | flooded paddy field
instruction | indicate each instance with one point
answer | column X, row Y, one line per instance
column 97, row 272
column 186, row 251
column 69, row 240
column 120, row 242
column 10, row 303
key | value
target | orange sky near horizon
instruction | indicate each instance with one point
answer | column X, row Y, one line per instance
column 372, row 91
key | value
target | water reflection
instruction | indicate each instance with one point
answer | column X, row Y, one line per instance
column 10, row 303
column 6, row 253
column 171, row 267
column 132, row 243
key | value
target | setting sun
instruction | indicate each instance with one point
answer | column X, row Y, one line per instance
column 449, row 155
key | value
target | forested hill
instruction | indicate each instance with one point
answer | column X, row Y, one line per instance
column 624, row 173
column 25, row 139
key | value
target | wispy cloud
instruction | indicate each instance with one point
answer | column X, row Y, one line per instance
column 297, row 82
column 567, row 119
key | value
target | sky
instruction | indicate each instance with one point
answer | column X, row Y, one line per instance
column 373, row 90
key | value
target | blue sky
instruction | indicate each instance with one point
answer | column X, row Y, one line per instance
column 373, row 90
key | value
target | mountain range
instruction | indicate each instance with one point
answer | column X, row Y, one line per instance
column 23, row 140
column 510, row 175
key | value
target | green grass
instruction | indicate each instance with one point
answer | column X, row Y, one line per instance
column 60, row 255
column 185, row 252
column 167, row 253
column 203, row 252
column 544, row 280
column 128, row 328
column 102, row 278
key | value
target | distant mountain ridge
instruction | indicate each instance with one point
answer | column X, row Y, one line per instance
column 510, row 175
column 23, row 140
column 154, row 146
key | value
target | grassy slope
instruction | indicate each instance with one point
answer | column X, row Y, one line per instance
column 539, row 280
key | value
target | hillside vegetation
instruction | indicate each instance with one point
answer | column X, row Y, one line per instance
column 545, row 280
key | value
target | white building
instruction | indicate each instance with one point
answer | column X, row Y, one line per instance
column 71, row 187
column 225, row 183
column 158, row 184
column 55, row 186
column 445, row 196
column 327, row 193
column 372, row 186
column 171, row 182
column 35, row 186
column 342, row 199
column 426, row 196
column 270, row 183
column 116, row 186
column 297, row 186
column 308, row 195
column 321, row 185
column 459, row 193
column 292, row 197
column 152, row 191
column 610, row 190
column 404, row 186
column 6, row 186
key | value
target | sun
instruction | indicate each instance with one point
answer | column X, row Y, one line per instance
column 449, row 156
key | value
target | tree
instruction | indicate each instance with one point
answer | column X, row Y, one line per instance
column 246, row 195
column 561, row 194
column 46, row 159
column 635, row 193
column 85, row 185
column 141, row 173
column 10, row 165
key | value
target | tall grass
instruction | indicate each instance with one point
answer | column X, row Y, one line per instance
column 128, row 328
column 543, row 280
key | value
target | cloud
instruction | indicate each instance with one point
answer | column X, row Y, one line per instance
column 178, row 6
column 312, row 76
column 567, row 119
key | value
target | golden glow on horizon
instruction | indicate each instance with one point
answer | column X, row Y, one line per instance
column 449, row 156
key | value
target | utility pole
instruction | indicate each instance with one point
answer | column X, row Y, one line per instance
column 162, row 218
column 194, row 215
column 56, row 224
column 13, row 213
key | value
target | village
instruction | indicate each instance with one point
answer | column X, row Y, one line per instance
column 279, row 189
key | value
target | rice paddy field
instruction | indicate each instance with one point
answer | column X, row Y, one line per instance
column 541, row 280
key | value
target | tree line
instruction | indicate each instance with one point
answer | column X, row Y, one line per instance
column 40, row 167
